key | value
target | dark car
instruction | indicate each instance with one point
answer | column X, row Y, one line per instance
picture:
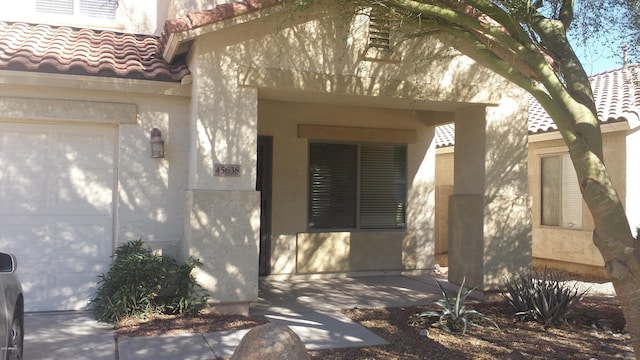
column 11, row 309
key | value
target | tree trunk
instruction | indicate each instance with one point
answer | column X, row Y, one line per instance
column 628, row 292
column 612, row 234
column 621, row 254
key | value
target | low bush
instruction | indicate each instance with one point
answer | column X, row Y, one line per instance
column 544, row 297
column 140, row 283
column 453, row 316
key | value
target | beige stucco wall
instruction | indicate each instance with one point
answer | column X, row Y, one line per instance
column 444, row 189
column 294, row 249
column 147, row 200
column 568, row 249
column 220, row 230
column 573, row 245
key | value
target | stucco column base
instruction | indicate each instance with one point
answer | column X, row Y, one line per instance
column 490, row 238
column 222, row 230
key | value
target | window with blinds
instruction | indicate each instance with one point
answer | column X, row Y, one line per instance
column 92, row 8
column 561, row 197
column 357, row 186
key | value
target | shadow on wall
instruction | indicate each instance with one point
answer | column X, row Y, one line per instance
column 309, row 56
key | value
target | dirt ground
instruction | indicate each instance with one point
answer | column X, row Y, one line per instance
column 595, row 330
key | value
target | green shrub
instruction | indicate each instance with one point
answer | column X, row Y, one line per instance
column 140, row 283
column 543, row 297
column 454, row 317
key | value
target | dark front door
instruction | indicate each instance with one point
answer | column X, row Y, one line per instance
column 263, row 184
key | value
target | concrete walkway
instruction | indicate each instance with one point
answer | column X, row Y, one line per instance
column 311, row 308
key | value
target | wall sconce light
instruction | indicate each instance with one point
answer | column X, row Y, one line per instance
column 157, row 144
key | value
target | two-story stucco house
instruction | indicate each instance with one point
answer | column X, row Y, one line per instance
column 286, row 142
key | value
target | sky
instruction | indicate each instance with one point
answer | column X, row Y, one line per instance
column 599, row 59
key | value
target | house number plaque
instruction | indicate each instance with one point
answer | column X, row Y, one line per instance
column 228, row 170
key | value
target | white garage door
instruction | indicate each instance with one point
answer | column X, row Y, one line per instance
column 56, row 206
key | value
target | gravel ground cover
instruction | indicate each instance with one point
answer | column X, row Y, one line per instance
column 595, row 330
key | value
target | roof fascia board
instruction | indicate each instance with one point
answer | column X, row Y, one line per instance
column 246, row 11
column 445, row 150
column 555, row 135
column 83, row 82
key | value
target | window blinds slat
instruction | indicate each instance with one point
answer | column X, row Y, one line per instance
column 332, row 195
column 98, row 8
column 561, row 197
column 551, row 190
column 571, row 196
column 383, row 187
column 64, row 7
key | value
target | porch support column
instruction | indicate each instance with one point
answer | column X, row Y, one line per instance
column 221, row 206
column 490, row 210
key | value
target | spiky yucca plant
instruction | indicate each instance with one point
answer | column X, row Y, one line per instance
column 453, row 316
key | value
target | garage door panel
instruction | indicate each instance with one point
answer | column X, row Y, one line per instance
column 86, row 241
column 67, row 286
column 28, row 240
column 88, row 238
column 84, row 191
column 71, row 150
column 27, row 145
column 23, row 188
column 56, row 210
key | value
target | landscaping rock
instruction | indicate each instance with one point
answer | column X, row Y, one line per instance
column 271, row 342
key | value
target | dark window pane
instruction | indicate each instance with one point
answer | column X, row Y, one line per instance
column 332, row 188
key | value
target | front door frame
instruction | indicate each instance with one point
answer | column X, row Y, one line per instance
column 263, row 184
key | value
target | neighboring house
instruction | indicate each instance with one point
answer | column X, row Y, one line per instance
column 562, row 224
column 295, row 143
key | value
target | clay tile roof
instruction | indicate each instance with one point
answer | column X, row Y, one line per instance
column 445, row 135
column 617, row 97
column 67, row 50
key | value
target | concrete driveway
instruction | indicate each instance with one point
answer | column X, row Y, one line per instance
column 67, row 335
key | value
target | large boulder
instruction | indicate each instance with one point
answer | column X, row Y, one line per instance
column 271, row 342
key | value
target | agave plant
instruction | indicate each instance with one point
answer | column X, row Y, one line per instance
column 543, row 297
column 453, row 316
